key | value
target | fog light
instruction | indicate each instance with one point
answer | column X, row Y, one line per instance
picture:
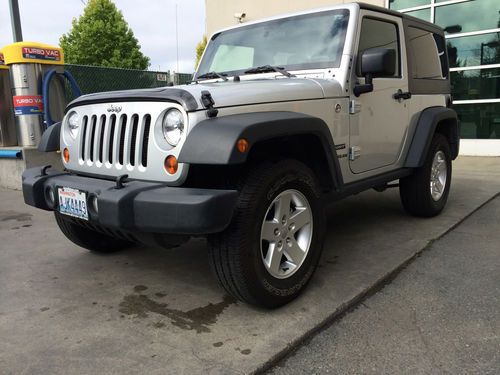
column 93, row 206
column 171, row 164
column 66, row 155
column 50, row 196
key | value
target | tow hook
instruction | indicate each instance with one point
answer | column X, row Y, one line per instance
column 43, row 171
column 120, row 181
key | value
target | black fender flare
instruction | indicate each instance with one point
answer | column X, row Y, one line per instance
column 214, row 141
column 427, row 124
column 50, row 138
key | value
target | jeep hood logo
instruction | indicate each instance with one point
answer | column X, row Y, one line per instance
column 114, row 108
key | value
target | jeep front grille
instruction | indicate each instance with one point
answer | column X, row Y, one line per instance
column 115, row 139
column 121, row 138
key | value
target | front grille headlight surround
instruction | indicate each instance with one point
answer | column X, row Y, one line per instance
column 73, row 123
column 173, row 126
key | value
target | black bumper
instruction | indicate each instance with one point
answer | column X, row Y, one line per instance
column 138, row 206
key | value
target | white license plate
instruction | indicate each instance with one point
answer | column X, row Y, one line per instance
column 73, row 202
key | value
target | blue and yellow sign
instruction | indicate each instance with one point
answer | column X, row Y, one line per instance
column 32, row 52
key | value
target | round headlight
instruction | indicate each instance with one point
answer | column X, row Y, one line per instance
column 73, row 124
column 173, row 126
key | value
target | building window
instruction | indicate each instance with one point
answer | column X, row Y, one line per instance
column 472, row 30
column 403, row 4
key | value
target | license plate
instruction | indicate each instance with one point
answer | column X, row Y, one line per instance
column 73, row 202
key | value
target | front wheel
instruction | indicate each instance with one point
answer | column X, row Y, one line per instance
column 425, row 192
column 271, row 249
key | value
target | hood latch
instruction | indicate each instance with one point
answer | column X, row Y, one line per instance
column 208, row 102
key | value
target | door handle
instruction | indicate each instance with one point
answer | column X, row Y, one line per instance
column 400, row 95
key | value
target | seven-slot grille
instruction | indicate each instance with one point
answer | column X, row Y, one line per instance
column 115, row 139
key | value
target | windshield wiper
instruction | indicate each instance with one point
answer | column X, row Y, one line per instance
column 212, row 75
column 269, row 68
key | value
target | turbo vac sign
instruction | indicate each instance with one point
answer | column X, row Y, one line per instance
column 28, row 105
column 41, row 53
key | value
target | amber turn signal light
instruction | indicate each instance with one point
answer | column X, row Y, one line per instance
column 171, row 164
column 66, row 155
column 242, row 145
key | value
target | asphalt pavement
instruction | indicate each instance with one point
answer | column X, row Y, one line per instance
column 440, row 315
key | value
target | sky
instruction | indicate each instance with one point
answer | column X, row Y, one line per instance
column 152, row 21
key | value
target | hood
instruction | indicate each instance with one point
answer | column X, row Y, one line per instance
column 225, row 94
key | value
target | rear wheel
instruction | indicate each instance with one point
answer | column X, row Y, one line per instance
column 270, row 251
column 425, row 192
column 88, row 238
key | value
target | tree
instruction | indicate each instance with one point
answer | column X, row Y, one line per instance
column 102, row 37
column 200, row 48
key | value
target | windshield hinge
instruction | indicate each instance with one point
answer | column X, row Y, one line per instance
column 208, row 102
column 354, row 107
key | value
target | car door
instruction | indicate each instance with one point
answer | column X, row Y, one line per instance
column 378, row 122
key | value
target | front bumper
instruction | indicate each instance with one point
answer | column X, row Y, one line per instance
column 138, row 206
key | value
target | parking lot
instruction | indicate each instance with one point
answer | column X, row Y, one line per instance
column 64, row 310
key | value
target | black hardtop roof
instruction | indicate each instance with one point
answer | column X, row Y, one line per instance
column 412, row 20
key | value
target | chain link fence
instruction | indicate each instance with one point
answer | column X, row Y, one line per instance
column 93, row 79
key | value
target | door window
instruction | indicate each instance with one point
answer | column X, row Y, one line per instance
column 378, row 34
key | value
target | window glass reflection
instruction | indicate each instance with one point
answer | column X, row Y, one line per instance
column 403, row 4
column 476, row 84
column 479, row 120
column 423, row 14
column 474, row 50
column 469, row 16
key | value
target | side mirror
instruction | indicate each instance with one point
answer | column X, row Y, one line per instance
column 375, row 62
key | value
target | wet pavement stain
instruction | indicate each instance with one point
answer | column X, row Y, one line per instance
column 218, row 344
column 160, row 295
column 140, row 288
column 332, row 261
column 244, row 351
column 198, row 319
column 45, row 308
column 14, row 216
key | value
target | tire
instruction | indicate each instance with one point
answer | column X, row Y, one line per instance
column 415, row 190
column 243, row 261
column 89, row 239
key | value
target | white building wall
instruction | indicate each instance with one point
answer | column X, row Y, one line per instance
column 220, row 13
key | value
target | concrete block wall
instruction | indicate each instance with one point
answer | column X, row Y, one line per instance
column 11, row 170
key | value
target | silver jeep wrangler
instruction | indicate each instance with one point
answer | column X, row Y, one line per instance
column 284, row 116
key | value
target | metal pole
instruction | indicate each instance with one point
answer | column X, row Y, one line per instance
column 15, row 20
column 177, row 38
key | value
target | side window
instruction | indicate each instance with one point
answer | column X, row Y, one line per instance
column 378, row 34
column 428, row 54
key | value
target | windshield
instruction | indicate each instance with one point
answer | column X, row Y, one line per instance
column 311, row 41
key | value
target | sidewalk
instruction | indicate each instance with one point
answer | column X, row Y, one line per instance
column 441, row 315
